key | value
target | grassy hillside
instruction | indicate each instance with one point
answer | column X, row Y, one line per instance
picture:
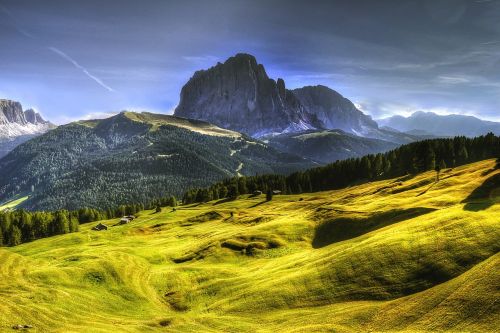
column 404, row 254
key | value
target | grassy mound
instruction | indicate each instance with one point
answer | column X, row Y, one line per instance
column 400, row 255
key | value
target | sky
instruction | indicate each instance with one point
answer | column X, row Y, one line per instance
column 85, row 59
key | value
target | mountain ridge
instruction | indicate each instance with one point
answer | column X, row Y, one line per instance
column 441, row 125
column 18, row 126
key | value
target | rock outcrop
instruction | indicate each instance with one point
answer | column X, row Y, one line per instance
column 333, row 110
column 11, row 112
column 18, row 126
column 239, row 95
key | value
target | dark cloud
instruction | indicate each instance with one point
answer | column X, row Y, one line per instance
column 73, row 58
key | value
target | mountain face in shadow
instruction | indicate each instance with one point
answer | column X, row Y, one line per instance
column 239, row 95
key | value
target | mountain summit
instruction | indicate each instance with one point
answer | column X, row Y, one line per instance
column 333, row 110
column 18, row 126
column 239, row 95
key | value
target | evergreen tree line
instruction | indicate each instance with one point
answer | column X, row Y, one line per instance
column 433, row 154
column 21, row 226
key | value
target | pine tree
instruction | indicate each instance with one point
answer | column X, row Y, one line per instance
column 269, row 195
column 61, row 223
column 442, row 165
column 14, row 236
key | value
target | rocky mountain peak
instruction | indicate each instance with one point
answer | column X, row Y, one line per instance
column 34, row 117
column 333, row 110
column 239, row 95
column 11, row 112
column 17, row 126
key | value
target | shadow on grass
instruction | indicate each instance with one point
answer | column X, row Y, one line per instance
column 427, row 189
column 258, row 204
column 221, row 201
column 485, row 195
column 343, row 228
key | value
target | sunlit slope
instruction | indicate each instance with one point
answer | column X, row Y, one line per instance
column 405, row 254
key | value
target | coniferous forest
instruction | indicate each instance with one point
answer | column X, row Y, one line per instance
column 434, row 154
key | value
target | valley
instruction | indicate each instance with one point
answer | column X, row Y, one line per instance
column 405, row 254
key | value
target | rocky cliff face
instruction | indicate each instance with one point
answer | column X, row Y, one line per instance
column 18, row 126
column 333, row 110
column 239, row 95
column 34, row 117
column 11, row 112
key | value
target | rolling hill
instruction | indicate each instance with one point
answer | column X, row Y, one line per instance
column 400, row 255
column 131, row 157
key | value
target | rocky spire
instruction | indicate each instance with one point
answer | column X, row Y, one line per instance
column 11, row 112
column 239, row 95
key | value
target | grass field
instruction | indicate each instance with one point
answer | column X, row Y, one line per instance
column 13, row 203
column 405, row 254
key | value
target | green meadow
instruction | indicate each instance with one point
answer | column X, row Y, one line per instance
column 399, row 255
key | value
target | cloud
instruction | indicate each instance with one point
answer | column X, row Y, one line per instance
column 201, row 59
column 452, row 79
column 80, row 67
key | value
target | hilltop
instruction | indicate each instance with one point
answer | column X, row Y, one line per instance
column 406, row 254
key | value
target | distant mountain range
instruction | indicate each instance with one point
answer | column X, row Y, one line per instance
column 131, row 157
column 18, row 126
column 429, row 123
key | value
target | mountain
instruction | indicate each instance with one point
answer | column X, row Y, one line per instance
column 239, row 95
column 327, row 146
column 18, row 126
column 131, row 157
column 333, row 110
column 438, row 125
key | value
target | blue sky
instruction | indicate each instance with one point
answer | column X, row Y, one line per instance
column 83, row 59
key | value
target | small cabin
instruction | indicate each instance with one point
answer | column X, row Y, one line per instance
column 276, row 192
column 100, row 227
column 124, row 220
column 257, row 192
